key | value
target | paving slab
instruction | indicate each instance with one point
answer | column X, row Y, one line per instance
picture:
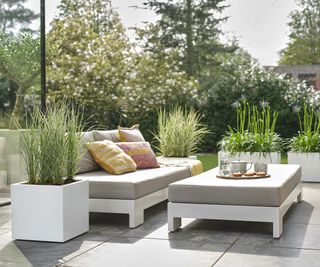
column 251, row 256
column 10, row 254
column 303, row 213
column 5, row 220
column 194, row 230
column 123, row 252
column 294, row 236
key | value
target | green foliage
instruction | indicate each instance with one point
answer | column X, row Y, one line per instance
column 14, row 15
column 52, row 145
column 20, row 63
column 238, row 76
column 255, row 131
column 308, row 139
column 192, row 27
column 179, row 132
column 156, row 84
column 209, row 161
column 89, row 59
column 304, row 37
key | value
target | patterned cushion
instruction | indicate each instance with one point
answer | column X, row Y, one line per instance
column 86, row 162
column 132, row 134
column 111, row 158
column 141, row 153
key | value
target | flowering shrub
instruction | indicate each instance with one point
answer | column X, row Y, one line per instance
column 89, row 65
column 156, row 84
column 256, row 84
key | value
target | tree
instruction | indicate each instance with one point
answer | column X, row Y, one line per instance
column 20, row 63
column 304, row 37
column 89, row 59
column 14, row 13
column 192, row 26
column 156, row 83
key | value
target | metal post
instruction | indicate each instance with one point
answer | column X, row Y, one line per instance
column 43, row 55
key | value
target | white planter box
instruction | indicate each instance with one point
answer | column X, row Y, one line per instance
column 273, row 157
column 49, row 212
column 309, row 163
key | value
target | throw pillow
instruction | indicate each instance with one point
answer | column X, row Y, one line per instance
column 141, row 153
column 111, row 158
column 86, row 162
column 132, row 134
column 111, row 135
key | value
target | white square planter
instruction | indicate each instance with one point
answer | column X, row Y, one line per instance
column 273, row 157
column 49, row 212
column 309, row 163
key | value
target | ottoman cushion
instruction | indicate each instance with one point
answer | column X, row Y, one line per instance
column 207, row 189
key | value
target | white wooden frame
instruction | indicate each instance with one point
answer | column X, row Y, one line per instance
column 135, row 208
column 176, row 211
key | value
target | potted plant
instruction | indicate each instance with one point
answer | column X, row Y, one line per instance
column 254, row 139
column 305, row 147
column 51, row 205
column 179, row 133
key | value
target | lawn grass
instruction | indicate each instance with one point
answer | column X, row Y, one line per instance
column 210, row 161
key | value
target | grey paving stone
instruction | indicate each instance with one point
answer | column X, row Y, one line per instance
column 251, row 256
column 52, row 254
column 151, row 252
column 311, row 193
column 10, row 253
column 3, row 231
column 294, row 236
column 14, row 264
column 5, row 220
column 194, row 230
column 303, row 213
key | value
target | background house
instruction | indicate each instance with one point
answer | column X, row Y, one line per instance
column 308, row 73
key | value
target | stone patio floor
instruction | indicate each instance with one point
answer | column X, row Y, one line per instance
column 200, row 242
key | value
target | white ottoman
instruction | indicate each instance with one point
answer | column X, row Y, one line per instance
column 262, row 200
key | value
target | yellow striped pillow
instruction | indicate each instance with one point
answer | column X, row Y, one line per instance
column 111, row 158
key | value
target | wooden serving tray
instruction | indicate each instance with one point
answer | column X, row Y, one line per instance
column 243, row 177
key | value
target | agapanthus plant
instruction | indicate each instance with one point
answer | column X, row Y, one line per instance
column 255, row 129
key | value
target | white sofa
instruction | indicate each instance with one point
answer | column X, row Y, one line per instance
column 128, row 193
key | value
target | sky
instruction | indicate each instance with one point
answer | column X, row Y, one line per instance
column 260, row 26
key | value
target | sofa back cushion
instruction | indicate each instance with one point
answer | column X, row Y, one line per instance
column 86, row 162
column 141, row 153
column 111, row 158
column 132, row 134
column 111, row 135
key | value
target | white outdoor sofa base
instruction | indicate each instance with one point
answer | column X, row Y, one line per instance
column 229, row 206
column 131, row 193
column 135, row 208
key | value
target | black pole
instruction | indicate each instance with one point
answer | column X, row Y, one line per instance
column 43, row 54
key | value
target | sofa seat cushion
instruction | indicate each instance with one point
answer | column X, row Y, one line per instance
column 132, row 185
column 207, row 189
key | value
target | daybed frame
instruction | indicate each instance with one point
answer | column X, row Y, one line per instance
column 176, row 211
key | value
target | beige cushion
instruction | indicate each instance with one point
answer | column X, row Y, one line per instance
column 207, row 189
column 111, row 135
column 132, row 185
column 132, row 134
column 86, row 163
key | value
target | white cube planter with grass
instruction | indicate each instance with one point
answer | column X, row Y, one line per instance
column 54, row 213
column 309, row 163
column 255, row 157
